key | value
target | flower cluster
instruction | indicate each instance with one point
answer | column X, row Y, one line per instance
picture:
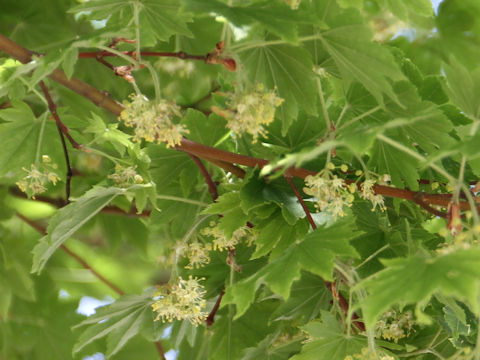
column 249, row 111
column 331, row 193
column 367, row 193
column 394, row 325
column 178, row 67
column 154, row 121
column 182, row 301
column 222, row 242
column 198, row 254
column 369, row 355
column 125, row 176
column 38, row 177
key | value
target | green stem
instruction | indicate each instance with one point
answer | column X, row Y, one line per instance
column 254, row 44
column 324, row 106
column 359, row 117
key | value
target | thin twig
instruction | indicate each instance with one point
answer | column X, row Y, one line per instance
column 342, row 301
column 212, row 187
column 211, row 317
column 68, row 179
column 41, row 229
column 53, row 109
column 180, row 54
column 418, row 198
column 160, row 350
column 300, row 200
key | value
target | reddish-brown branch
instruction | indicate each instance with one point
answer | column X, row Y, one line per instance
column 105, row 101
column 235, row 170
column 160, row 350
column 41, row 229
column 418, row 198
column 343, row 303
column 212, row 187
column 211, row 317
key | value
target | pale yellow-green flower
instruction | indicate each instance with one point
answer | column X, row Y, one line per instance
column 38, row 176
column 250, row 111
column 222, row 242
column 125, row 176
column 368, row 193
column 182, row 301
column 154, row 121
column 330, row 192
column 197, row 253
column 394, row 325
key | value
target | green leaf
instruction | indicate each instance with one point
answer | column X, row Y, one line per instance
column 288, row 69
column 403, row 9
column 315, row 254
column 69, row 60
column 329, row 341
column 463, row 87
column 456, row 325
column 269, row 349
column 119, row 322
column 400, row 166
column 233, row 217
column 68, row 220
column 276, row 17
column 202, row 129
column 161, row 18
column 307, row 297
column 109, row 133
column 23, row 138
column 255, row 192
column 231, row 337
column 418, row 278
column 358, row 58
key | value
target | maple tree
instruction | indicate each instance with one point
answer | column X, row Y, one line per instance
column 282, row 179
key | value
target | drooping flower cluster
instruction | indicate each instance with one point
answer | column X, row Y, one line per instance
column 367, row 193
column 366, row 354
column 249, row 111
column 222, row 242
column 331, row 193
column 394, row 325
column 125, row 176
column 154, row 120
column 38, row 176
column 182, row 301
column 197, row 253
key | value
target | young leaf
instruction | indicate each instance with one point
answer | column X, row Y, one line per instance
column 315, row 254
column 119, row 322
column 418, row 278
column 68, row 220
column 329, row 341
column 358, row 58
column 288, row 69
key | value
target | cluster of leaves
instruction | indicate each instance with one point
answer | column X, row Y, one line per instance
column 343, row 88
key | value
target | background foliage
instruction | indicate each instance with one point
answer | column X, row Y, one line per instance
column 369, row 87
